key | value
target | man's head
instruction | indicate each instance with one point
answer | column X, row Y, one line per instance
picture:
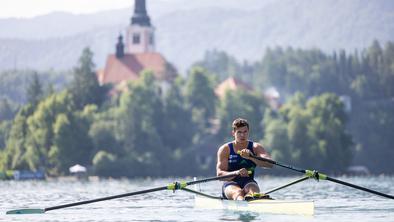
column 240, row 130
column 239, row 122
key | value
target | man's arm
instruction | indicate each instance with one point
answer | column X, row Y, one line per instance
column 259, row 150
column 222, row 163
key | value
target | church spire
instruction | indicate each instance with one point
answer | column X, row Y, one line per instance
column 120, row 47
column 140, row 16
column 140, row 34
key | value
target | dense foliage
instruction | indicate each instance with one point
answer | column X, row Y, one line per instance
column 147, row 130
column 310, row 132
column 14, row 84
column 364, row 80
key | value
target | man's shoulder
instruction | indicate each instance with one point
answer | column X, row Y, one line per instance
column 257, row 145
column 224, row 147
column 258, row 148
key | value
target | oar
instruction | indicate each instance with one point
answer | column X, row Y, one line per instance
column 202, row 194
column 287, row 185
column 320, row 176
column 173, row 186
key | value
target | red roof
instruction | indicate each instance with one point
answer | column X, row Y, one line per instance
column 231, row 83
column 129, row 67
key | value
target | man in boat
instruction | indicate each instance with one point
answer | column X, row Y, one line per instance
column 235, row 157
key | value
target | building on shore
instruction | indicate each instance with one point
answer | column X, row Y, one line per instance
column 136, row 53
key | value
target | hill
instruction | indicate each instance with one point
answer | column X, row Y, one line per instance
column 185, row 31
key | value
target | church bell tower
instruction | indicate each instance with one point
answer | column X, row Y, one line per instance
column 140, row 33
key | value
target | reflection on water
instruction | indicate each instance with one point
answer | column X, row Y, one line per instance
column 239, row 216
column 246, row 217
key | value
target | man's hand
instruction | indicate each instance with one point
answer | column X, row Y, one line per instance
column 245, row 153
column 243, row 172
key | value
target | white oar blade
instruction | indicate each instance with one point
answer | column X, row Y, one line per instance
column 26, row 211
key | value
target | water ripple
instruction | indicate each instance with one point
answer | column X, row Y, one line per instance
column 332, row 201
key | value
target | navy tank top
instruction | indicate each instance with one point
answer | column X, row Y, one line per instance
column 236, row 162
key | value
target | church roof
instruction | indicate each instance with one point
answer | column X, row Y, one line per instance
column 231, row 83
column 128, row 67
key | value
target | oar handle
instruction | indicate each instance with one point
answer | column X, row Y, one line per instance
column 260, row 158
column 264, row 159
column 276, row 163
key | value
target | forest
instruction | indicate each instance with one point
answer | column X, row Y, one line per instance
column 335, row 110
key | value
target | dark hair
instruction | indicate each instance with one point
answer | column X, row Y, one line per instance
column 239, row 122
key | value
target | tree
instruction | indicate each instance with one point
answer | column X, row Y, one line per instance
column 41, row 128
column 85, row 87
column 220, row 63
column 71, row 143
column 178, row 131
column 313, row 133
column 271, row 71
column 6, row 112
column 276, row 140
column 102, row 133
column 297, row 121
column 5, row 127
column 200, row 97
column 327, row 130
column 176, row 117
column 15, row 83
column 138, row 129
column 34, row 92
column 104, row 164
column 14, row 153
column 242, row 104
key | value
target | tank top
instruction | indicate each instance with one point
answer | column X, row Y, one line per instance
column 236, row 162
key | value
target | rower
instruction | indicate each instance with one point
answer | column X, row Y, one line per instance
column 235, row 156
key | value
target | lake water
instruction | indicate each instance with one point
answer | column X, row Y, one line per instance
column 333, row 202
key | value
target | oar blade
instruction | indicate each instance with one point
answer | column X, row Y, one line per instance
column 26, row 211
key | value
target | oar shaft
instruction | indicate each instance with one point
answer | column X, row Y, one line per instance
column 287, row 185
column 278, row 164
column 174, row 186
column 104, row 198
column 212, row 179
column 359, row 187
column 136, row 193
column 202, row 194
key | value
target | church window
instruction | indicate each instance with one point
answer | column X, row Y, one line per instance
column 151, row 39
column 136, row 38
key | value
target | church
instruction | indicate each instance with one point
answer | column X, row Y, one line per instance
column 136, row 52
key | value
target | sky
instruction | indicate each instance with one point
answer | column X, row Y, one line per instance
column 32, row 8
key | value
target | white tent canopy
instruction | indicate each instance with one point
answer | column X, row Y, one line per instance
column 77, row 169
